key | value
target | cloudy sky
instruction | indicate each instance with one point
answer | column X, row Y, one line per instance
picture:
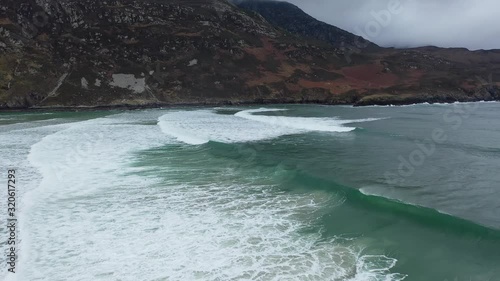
column 473, row 24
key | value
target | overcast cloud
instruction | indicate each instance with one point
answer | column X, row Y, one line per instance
column 473, row 24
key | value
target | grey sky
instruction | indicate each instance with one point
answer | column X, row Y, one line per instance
column 473, row 24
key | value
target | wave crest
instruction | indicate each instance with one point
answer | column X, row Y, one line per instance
column 201, row 126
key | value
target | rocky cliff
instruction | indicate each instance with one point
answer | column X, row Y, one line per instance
column 67, row 53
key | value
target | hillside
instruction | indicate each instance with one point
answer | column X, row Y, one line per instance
column 391, row 76
column 68, row 53
column 291, row 18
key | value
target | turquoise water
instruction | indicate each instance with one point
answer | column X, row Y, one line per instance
column 285, row 192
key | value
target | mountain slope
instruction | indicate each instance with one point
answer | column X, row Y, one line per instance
column 386, row 75
column 294, row 20
column 68, row 53
column 102, row 51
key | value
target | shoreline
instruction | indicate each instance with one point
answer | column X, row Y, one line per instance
column 128, row 107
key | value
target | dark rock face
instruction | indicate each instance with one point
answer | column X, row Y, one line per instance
column 151, row 52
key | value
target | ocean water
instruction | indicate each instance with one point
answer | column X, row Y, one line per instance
column 282, row 192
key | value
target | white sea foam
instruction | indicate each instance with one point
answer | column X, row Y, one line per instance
column 16, row 140
column 202, row 126
column 93, row 216
column 423, row 104
column 75, row 162
column 299, row 123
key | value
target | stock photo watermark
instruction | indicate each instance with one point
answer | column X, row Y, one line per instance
column 12, row 225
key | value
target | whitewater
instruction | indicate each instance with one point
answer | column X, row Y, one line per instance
column 89, row 210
